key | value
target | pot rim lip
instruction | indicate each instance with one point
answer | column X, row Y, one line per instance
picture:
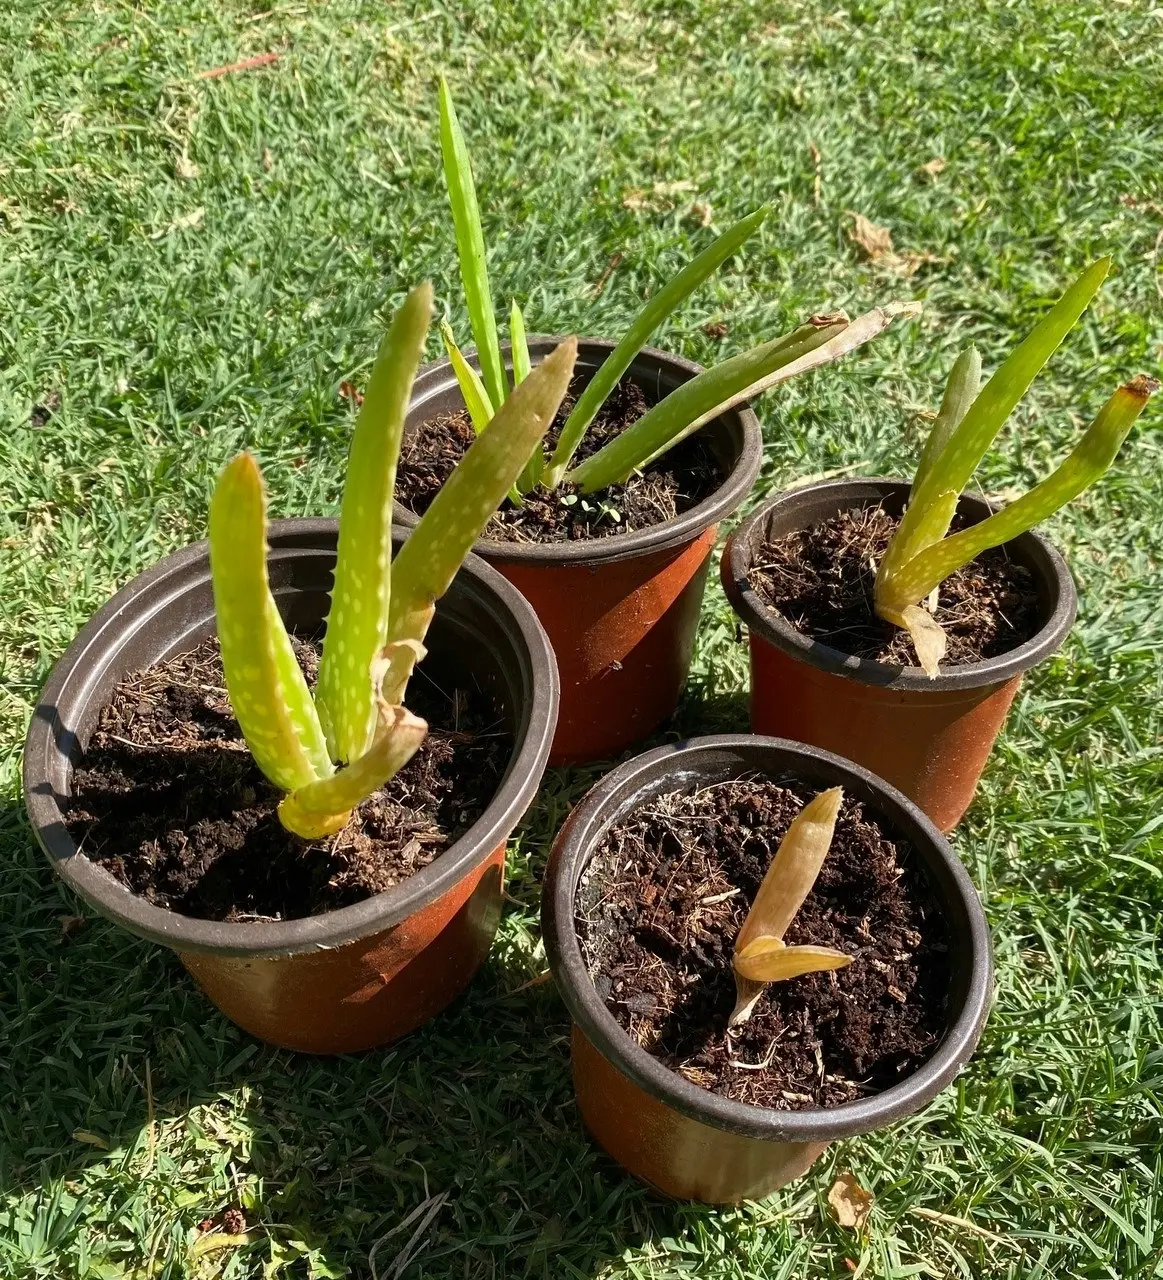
column 589, row 821
column 619, row 546
column 288, row 539
column 771, row 626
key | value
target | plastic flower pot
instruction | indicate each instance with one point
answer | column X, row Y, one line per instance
column 684, row 1140
column 346, row 979
column 620, row 611
column 928, row 737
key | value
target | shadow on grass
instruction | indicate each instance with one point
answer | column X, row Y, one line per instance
column 118, row 1071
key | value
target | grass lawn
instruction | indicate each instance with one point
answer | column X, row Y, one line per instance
column 192, row 265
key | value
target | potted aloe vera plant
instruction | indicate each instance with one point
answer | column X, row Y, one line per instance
column 327, row 861
column 608, row 531
column 763, row 948
column 878, row 633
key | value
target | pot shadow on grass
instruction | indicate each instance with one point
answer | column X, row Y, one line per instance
column 116, row 1066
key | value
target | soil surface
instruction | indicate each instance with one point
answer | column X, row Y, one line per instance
column 822, row 579
column 168, row 799
column 661, row 904
column 681, row 479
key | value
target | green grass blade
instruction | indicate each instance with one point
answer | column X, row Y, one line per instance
column 470, row 247
column 648, row 319
column 530, row 476
column 960, row 392
column 324, row 807
column 436, row 548
column 714, row 391
column 267, row 689
column 967, row 445
column 476, row 398
column 357, row 624
column 1091, row 457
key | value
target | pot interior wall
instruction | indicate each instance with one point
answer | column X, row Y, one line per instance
column 466, row 643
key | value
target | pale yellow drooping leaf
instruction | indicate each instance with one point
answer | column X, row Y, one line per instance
column 764, row 962
column 927, row 634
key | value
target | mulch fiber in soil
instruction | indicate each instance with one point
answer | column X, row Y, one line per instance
column 168, row 798
column 661, row 904
column 678, row 481
column 821, row 580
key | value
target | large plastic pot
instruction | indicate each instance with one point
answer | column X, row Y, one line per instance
column 674, row 1135
column 928, row 737
column 367, row 973
column 620, row 611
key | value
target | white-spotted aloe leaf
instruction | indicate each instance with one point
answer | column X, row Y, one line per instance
column 476, row 398
column 649, row 318
column 357, row 624
column 267, row 688
column 1089, row 460
column 820, row 341
column 324, row 807
column 960, row 392
column 437, row 546
column 470, row 247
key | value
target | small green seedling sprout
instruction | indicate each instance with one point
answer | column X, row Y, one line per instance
column 380, row 608
column 761, row 956
column 922, row 553
column 819, row 341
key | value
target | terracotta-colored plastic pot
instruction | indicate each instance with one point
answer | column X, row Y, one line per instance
column 684, row 1140
column 620, row 611
column 929, row 737
column 365, row 974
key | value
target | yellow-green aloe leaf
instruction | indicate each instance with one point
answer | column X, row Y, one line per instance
column 470, row 247
column 436, row 548
column 476, row 398
column 357, row 623
column 793, row 870
column 960, row 392
column 648, row 319
column 1090, row 458
column 267, row 689
column 769, row 960
column 688, row 407
column 926, row 528
column 321, row 808
column 530, row 476
column 966, row 446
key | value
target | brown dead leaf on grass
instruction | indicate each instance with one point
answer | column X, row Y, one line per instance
column 873, row 242
column 850, row 1203
column 350, row 392
column 931, row 169
column 660, row 197
column 702, row 212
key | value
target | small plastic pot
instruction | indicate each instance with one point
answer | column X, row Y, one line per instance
column 684, row 1140
column 929, row 737
column 620, row 611
column 365, row 974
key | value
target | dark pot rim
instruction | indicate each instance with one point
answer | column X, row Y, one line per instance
column 153, row 599
column 716, row 758
column 1049, row 568
column 649, row 369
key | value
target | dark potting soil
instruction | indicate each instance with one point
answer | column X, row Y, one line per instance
column 822, row 580
column 681, row 479
column 661, row 904
column 168, row 798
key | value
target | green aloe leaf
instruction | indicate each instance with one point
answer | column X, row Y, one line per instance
column 476, row 398
column 649, row 318
column 530, row 476
column 960, row 392
column 267, row 689
column 715, row 390
column 1090, row 458
column 470, row 247
column 357, row 624
column 436, row 548
column 321, row 808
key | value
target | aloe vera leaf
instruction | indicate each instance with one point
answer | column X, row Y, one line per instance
column 358, row 619
column 648, row 319
column 267, row 689
column 436, row 548
column 321, row 808
column 1089, row 459
column 470, row 247
column 531, row 472
column 712, row 392
column 928, row 526
column 476, row 398
column 960, row 392
column 768, row 960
